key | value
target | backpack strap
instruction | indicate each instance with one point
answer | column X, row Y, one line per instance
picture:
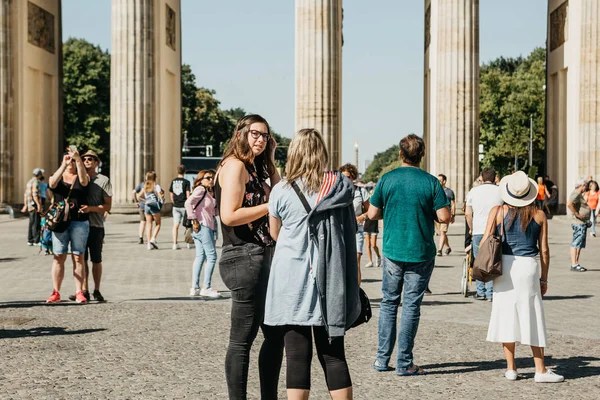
column 301, row 197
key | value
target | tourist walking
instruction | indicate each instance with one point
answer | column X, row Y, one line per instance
column 153, row 197
column 242, row 193
column 309, row 276
column 371, row 229
column 179, row 192
column 408, row 199
column 591, row 197
column 518, row 309
column 200, row 208
column 480, row 200
column 361, row 205
column 141, row 210
column 543, row 193
column 32, row 204
column 70, row 181
column 580, row 218
column 442, row 227
column 99, row 202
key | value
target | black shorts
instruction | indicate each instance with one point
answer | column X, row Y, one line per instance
column 372, row 227
column 94, row 245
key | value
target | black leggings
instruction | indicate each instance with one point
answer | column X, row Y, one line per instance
column 298, row 354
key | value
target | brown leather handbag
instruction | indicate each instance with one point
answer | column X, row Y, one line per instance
column 488, row 262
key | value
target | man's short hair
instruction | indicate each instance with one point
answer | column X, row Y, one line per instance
column 443, row 177
column 580, row 182
column 181, row 169
column 351, row 169
column 488, row 175
column 412, row 149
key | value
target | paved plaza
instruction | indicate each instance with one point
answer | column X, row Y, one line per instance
column 152, row 341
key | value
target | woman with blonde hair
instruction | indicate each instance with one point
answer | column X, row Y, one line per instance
column 243, row 184
column 200, row 209
column 153, row 196
column 307, row 277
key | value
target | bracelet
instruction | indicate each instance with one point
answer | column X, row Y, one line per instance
column 543, row 282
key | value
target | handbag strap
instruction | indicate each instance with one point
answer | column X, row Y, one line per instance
column 301, row 197
column 201, row 198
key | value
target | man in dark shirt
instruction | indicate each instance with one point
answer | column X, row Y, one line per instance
column 180, row 191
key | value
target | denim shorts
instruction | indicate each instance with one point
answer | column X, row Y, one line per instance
column 76, row 234
column 178, row 213
column 360, row 239
column 579, row 231
column 152, row 209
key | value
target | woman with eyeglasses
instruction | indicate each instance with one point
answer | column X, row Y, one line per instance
column 200, row 208
column 70, row 182
column 243, row 184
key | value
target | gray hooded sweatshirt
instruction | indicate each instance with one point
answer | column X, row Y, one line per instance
column 332, row 227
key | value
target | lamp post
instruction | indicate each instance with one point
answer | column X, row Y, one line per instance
column 356, row 154
column 531, row 140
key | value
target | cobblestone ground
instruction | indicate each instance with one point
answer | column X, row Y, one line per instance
column 151, row 341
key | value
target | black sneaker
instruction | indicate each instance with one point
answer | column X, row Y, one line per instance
column 427, row 292
column 141, row 241
column 577, row 268
column 478, row 297
column 98, row 296
column 86, row 293
column 439, row 253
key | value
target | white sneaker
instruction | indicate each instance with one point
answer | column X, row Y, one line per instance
column 548, row 377
column 153, row 244
column 189, row 245
column 511, row 375
column 149, row 247
column 194, row 292
column 209, row 292
column 176, row 246
column 369, row 265
column 378, row 261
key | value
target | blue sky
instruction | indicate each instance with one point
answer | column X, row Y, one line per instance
column 245, row 51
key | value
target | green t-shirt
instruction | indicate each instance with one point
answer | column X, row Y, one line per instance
column 409, row 198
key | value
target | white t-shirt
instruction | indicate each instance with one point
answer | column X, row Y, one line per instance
column 482, row 199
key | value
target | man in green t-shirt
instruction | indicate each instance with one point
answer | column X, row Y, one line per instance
column 580, row 216
column 409, row 200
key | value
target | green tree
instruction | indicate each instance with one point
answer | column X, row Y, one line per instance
column 512, row 91
column 86, row 85
column 380, row 162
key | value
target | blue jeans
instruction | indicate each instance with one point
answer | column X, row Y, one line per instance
column 414, row 278
column 593, row 219
column 205, row 248
column 484, row 289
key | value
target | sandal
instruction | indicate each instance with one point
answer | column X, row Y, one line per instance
column 416, row 371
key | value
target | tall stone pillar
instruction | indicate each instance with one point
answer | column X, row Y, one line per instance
column 132, row 122
column 145, row 93
column 6, row 102
column 451, row 127
column 319, row 71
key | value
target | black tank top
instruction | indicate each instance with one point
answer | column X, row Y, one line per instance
column 257, row 231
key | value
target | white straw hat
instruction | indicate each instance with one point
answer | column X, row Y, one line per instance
column 518, row 189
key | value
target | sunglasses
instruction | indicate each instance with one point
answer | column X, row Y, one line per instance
column 256, row 134
column 88, row 159
column 210, row 178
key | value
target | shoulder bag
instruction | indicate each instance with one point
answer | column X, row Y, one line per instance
column 365, row 305
column 57, row 216
column 488, row 262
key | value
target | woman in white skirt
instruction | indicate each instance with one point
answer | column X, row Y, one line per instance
column 517, row 310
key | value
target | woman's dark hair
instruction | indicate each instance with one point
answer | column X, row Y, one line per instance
column 588, row 187
column 239, row 147
column 412, row 149
column 199, row 177
column 351, row 169
column 526, row 213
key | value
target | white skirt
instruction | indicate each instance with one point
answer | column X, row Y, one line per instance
column 517, row 309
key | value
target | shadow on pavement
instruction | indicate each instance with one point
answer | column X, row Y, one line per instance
column 445, row 266
column 28, row 304
column 43, row 331
column 571, row 367
column 186, row 298
column 9, row 259
column 370, row 280
column 574, row 297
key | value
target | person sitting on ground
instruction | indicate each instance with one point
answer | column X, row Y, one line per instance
column 518, row 309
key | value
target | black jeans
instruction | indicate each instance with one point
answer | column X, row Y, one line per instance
column 33, row 236
column 245, row 271
column 298, row 354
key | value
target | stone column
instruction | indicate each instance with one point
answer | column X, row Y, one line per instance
column 6, row 102
column 452, row 86
column 319, row 71
column 589, row 90
column 132, row 123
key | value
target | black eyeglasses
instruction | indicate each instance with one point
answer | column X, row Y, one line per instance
column 257, row 134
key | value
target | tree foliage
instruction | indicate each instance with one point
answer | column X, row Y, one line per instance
column 512, row 90
column 86, row 110
column 380, row 162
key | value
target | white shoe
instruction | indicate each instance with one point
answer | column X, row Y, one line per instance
column 153, row 244
column 189, row 245
column 176, row 246
column 548, row 377
column 149, row 246
column 511, row 375
column 378, row 261
column 209, row 292
column 593, row 234
column 194, row 292
column 369, row 265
